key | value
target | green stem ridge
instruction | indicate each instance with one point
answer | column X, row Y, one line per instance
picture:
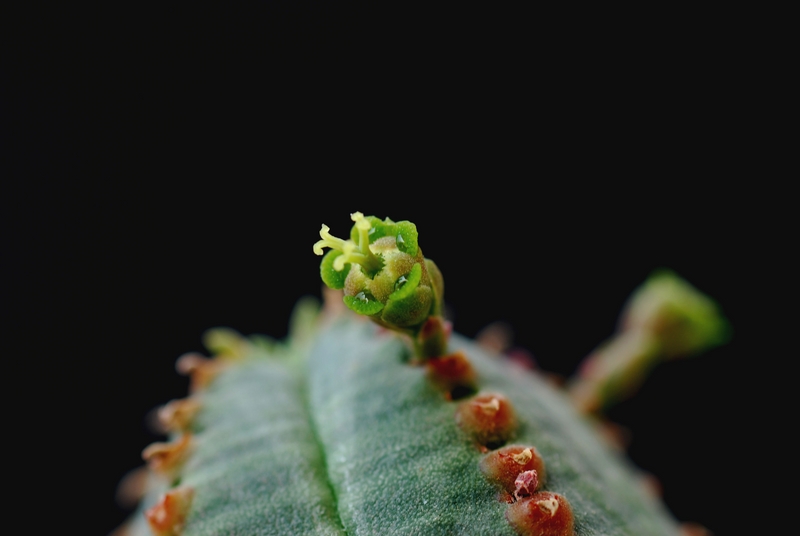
column 400, row 464
column 383, row 453
column 258, row 454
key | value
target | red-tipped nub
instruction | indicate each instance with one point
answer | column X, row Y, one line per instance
column 542, row 514
column 177, row 415
column 166, row 518
column 201, row 370
column 488, row 418
column 452, row 372
column 167, row 458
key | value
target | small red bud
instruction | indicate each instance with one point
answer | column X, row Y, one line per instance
column 200, row 369
column 542, row 514
column 167, row 458
column 488, row 418
column 177, row 415
column 452, row 373
column 166, row 518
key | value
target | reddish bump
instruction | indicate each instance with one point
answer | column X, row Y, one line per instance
column 488, row 418
column 168, row 516
column 177, row 415
column 432, row 327
column 201, row 370
column 452, row 372
column 542, row 514
column 167, row 458
column 503, row 466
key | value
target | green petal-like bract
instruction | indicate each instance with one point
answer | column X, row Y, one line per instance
column 330, row 276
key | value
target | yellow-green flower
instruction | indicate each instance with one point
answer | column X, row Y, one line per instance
column 382, row 272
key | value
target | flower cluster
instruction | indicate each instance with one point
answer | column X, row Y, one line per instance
column 382, row 272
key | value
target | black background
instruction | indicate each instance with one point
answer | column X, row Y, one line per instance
column 170, row 170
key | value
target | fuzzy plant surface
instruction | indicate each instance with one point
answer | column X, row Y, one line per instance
column 399, row 426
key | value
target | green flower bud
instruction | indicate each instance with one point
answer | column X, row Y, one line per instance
column 382, row 272
column 682, row 320
column 665, row 318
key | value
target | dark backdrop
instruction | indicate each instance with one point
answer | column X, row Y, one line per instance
column 170, row 171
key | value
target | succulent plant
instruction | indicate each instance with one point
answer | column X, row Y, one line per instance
column 399, row 425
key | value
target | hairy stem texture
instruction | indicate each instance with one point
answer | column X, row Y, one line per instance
column 354, row 439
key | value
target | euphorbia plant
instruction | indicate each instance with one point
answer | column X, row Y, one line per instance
column 399, row 426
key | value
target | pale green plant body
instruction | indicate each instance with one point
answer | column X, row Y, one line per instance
column 344, row 430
